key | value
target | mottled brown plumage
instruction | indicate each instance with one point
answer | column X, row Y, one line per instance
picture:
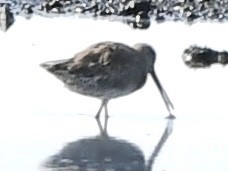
column 107, row 70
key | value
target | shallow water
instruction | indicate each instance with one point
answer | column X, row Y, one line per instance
column 38, row 116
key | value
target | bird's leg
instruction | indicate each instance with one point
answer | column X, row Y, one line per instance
column 100, row 126
column 103, row 104
column 164, row 95
column 106, row 125
column 106, row 110
column 103, row 129
column 100, row 109
column 106, row 115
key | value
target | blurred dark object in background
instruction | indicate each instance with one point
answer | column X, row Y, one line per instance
column 197, row 57
column 137, row 13
column 6, row 17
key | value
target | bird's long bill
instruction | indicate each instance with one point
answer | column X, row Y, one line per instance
column 164, row 95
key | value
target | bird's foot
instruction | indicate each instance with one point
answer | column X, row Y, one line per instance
column 171, row 116
column 97, row 116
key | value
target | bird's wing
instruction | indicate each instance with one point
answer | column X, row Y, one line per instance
column 96, row 59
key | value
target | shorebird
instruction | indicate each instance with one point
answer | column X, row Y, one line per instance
column 108, row 70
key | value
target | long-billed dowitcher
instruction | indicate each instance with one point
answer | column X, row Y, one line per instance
column 108, row 70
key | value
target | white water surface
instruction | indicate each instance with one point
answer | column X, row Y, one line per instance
column 38, row 116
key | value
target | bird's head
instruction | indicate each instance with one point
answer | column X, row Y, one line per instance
column 148, row 53
column 149, row 57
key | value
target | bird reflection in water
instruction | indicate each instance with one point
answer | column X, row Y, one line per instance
column 104, row 153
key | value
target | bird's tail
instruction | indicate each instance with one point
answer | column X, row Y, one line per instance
column 50, row 65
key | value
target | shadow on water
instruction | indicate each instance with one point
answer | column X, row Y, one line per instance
column 103, row 152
